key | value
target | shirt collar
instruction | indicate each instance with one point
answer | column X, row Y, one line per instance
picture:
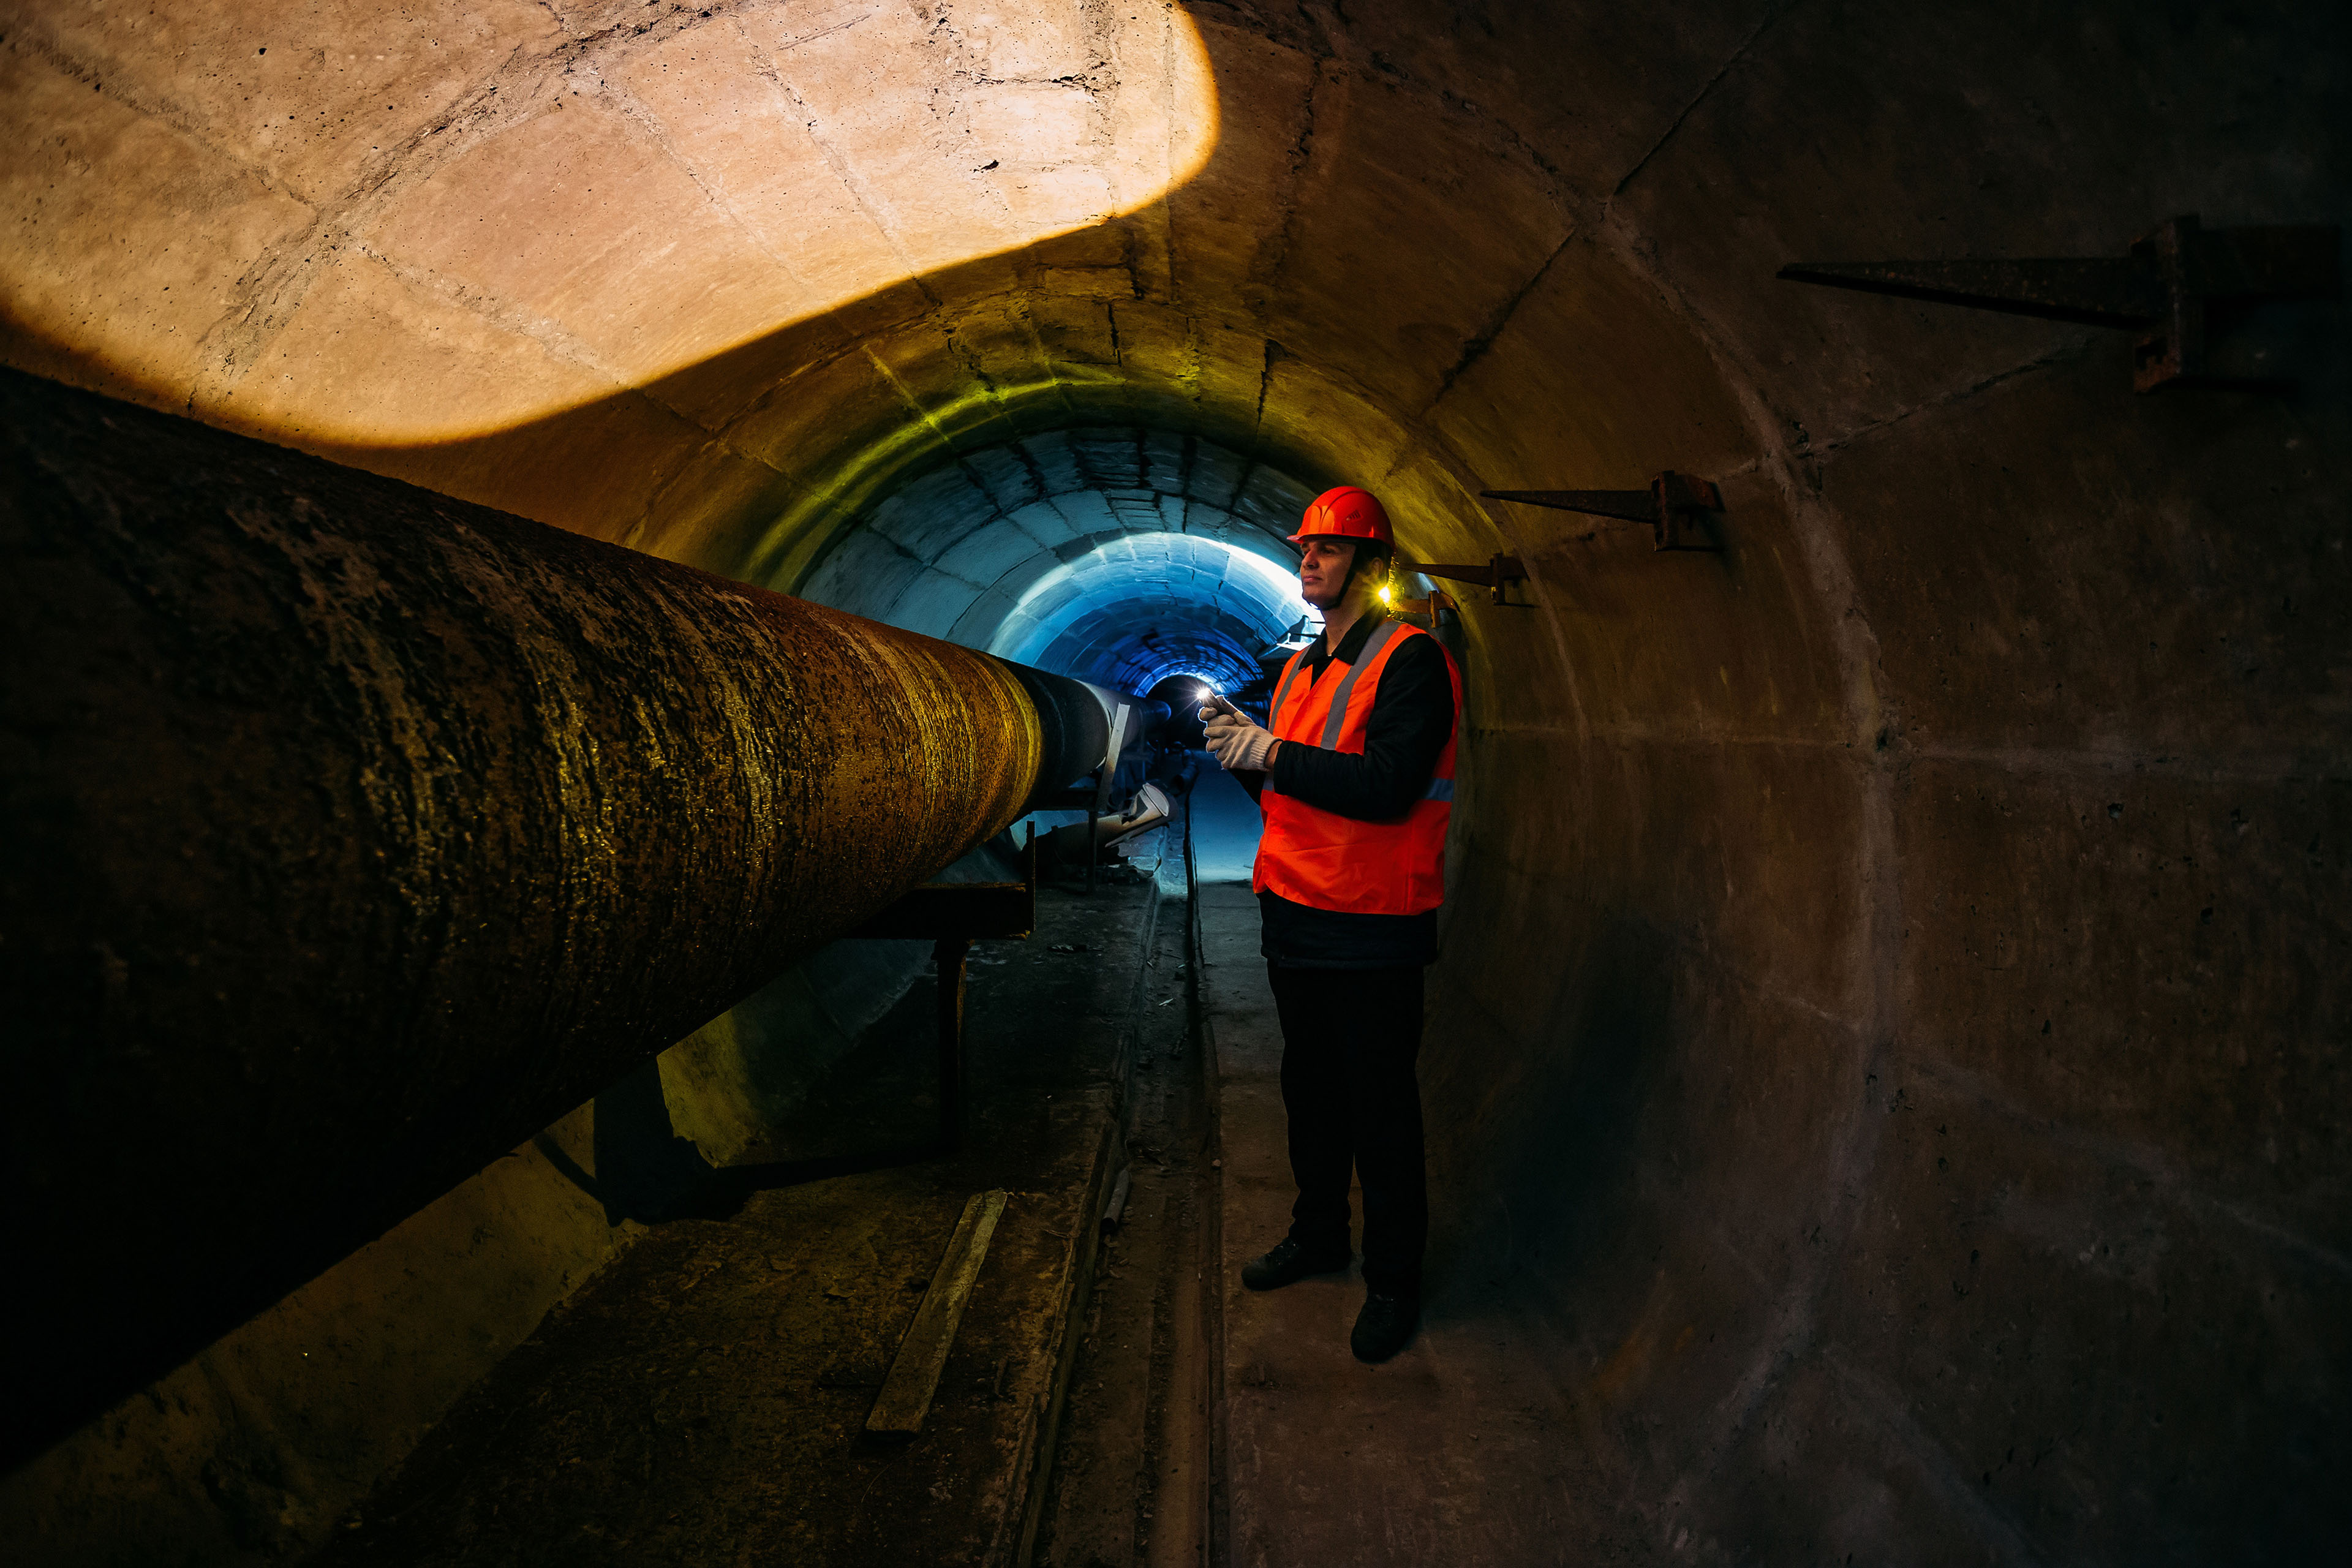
column 1351, row 647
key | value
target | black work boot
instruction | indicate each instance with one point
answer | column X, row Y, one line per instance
column 1384, row 1325
column 1288, row 1261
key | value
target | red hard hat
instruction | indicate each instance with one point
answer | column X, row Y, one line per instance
column 1346, row 512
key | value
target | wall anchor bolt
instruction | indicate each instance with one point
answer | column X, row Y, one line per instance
column 2160, row 290
column 1498, row 574
column 1677, row 508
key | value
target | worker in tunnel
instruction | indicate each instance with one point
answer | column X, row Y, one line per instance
column 1354, row 775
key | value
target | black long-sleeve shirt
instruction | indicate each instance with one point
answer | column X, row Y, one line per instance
column 1412, row 718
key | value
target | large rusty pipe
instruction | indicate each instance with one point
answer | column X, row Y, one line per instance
column 355, row 834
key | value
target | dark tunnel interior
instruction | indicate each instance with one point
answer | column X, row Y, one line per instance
column 543, row 529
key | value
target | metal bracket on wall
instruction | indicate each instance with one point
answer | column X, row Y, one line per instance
column 1423, row 609
column 1675, row 506
column 2160, row 290
column 1498, row 574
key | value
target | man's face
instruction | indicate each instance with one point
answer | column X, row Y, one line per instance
column 1323, row 570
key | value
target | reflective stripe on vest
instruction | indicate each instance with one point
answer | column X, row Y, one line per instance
column 1327, row 861
column 1284, row 685
column 1366, row 656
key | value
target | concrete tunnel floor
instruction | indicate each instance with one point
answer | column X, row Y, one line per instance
column 1117, row 1400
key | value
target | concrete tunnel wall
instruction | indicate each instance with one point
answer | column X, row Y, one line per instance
column 1891, row 1035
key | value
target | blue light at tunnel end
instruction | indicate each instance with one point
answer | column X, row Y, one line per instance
column 1185, row 624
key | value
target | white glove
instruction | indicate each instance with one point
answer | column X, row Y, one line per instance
column 1240, row 746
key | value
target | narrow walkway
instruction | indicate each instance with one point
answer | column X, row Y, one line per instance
column 1130, row 1483
column 1225, row 827
column 1465, row 1449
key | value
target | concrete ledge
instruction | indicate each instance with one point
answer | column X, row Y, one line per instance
column 704, row 1398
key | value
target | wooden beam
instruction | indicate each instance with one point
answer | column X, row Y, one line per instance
column 906, row 1397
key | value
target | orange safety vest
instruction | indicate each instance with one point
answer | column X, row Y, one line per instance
column 1327, row 861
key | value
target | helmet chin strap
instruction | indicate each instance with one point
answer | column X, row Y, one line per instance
column 1363, row 558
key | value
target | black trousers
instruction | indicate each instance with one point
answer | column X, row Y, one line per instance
column 1348, row 1040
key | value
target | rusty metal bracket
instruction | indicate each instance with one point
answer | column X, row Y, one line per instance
column 2160, row 290
column 954, row 915
column 1423, row 609
column 1675, row 506
column 1498, row 574
column 1093, row 796
column 1104, row 777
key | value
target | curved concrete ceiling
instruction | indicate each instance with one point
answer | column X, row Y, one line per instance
column 1883, row 1019
column 1117, row 555
column 554, row 268
column 445, row 188
column 1132, row 614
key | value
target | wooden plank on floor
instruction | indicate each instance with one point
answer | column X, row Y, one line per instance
column 914, row 1377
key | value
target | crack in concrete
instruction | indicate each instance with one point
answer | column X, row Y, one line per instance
column 1164, row 209
column 1474, row 348
column 2091, row 762
column 1043, row 546
column 1036, row 470
column 636, row 114
column 1275, row 254
column 2073, row 347
column 1250, row 465
column 562, row 344
column 491, row 309
column 686, row 466
column 54, row 55
column 1274, row 354
column 1190, row 467
column 867, row 207
column 1021, row 312
column 791, row 44
column 1884, row 1409
column 854, row 528
column 274, row 290
column 2158, row 1168
column 906, row 396
column 1379, row 65
column 1771, row 14
column 968, row 358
